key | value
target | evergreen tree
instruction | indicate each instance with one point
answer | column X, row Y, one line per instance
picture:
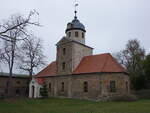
column 147, row 70
column 43, row 91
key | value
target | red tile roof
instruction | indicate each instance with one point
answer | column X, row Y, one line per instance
column 89, row 64
column 50, row 70
column 98, row 63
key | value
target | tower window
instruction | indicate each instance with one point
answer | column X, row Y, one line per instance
column 62, row 87
column 85, row 86
column 112, row 86
column 64, row 51
column 82, row 35
column 63, row 65
column 76, row 34
column 69, row 34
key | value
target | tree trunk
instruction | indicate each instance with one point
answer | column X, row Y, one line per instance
column 10, row 85
column 11, row 64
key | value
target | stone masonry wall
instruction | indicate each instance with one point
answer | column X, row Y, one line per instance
column 79, row 51
column 19, row 86
column 98, row 85
column 74, row 52
column 67, row 58
column 79, row 38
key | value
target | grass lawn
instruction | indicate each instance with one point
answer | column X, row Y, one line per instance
column 54, row 105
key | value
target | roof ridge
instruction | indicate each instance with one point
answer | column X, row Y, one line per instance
column 13, row 74
column 97, row 54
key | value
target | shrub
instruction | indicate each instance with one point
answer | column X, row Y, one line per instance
column 43, row 91
column 142, row 94
column 2, row 96
column 127, row 97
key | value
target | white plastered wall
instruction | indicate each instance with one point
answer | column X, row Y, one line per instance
column 34, row 83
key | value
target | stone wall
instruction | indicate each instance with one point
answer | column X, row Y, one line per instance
column 79, row 38
column 67, row 58
column 20, row 86
column 98, row 85
column 74, row 52
column 79, row 51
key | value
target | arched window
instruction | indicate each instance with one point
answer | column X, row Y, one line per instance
column 85, row 86
column 7, row 83
column 64, row 51
column 62, row 87
column 63, row 66
column 76, row 34
column 127, row 86
column 50, row 87
column 27, row 91
column 69, row 34
column 33, row 88
column 82, row 35
column 100, row 86
column 112, row 86
column 17, row 92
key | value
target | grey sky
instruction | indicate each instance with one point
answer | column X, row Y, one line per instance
column 109, row 23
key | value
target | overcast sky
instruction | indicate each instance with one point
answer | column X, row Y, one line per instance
column 109, row 23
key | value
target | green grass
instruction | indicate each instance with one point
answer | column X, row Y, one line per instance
column 54, row 105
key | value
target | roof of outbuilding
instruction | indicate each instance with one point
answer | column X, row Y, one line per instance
column 3, row 74
column 98, row 63
column 40, row 80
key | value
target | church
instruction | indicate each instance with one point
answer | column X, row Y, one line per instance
column 77, row 73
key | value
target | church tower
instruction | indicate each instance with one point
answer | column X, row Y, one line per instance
column 71, row 48
column 76, row 30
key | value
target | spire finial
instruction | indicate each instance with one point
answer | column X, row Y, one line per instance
column 76, row 4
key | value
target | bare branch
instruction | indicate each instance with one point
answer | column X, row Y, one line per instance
column 31, row 55
column 18, row 22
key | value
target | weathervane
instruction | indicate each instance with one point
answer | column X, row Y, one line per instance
column 75, row 5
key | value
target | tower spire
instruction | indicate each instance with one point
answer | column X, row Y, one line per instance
column 75, row 5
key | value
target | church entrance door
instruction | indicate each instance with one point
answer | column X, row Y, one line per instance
column 33, row 91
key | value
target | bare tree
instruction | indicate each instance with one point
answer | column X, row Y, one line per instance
column 13, row 32
column 31, row 56
column 18, row 22
column 9, row 55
